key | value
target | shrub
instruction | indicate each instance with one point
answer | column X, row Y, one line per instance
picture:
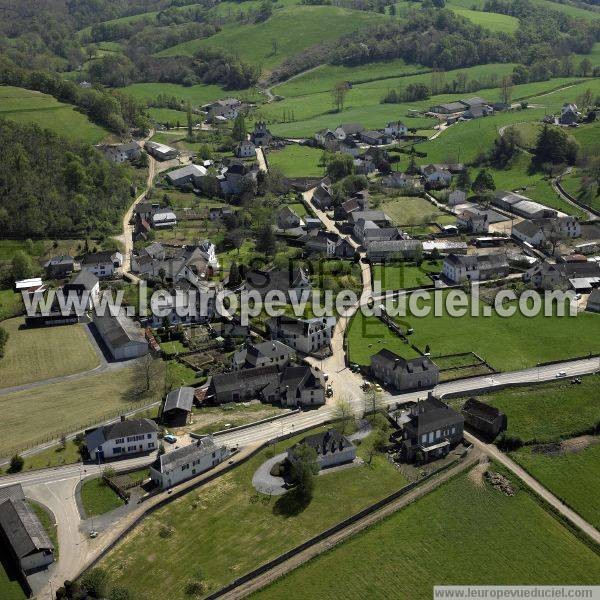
column 166, row 531
column 16, row 464
column 507, row 443
column 95, row 583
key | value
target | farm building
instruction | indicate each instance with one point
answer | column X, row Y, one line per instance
column 178, row 406
column 122, row 336
column 484, row 418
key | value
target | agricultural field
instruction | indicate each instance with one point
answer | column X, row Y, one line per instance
column 510, row 540
column 50, row 411
column 588, row 137
column 32, row 354
column 293, row 28
column 297, row 161
column 507, row 344
column 405, row 276
column 572, row 185
column 170, row 117
column 199, row 535
column 569, row 406
column 367, row 335
column 567, row 471
column 410, row 210
column 491, row 21
column 27, row 106
column 98, row 498
column 567, row 9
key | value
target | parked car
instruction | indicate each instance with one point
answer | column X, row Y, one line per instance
column 170, row 438
column 561, row 374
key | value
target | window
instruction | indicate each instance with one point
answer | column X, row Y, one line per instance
column 149, row 436
column 150, row 444
column 120, row 441
column 117, row 450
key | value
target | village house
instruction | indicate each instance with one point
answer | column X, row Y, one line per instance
column 322, row 197
column 186, row 462
column 522, row 206
column 232, row 178
column 125, row 437
column 484, row 418
column 308, row 336
column 262, row 354
column 102, row 264
column 327, row 243
column 161, row 151
column 222, row 110
column 122, row 336
column 435, row 175
column 400, row 180
column 456, row 197
column 342, row 211
column 348, row 146
column 402, row 374
column 375, row 138
column 290, row 282
column 346, row 130
column 473, row 222
column 327, row 139
column 177, row 408
column 245, row 149
column 431, row 430
column 188, row 175
column 85, row 285
column 59, row 267
column 396, row 129
column 163, row 218
column 364, row 165
column 581, row 277
column 261, row 136
column 120, row 153
column 380, row 251
column 375, row 216
column 569, row 114
column 477, row 267
column 24, row 537
column 297, row 386
column 542, row 230
column 332, row 448
column 287, row 218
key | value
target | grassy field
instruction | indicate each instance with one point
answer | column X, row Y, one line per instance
column 294, row 28
column 491, row 21
column 10, row 304
column 367, row 335
column 572, row 184
column 10, row 588
column 567, row 9
column 98, row 498
column 52, row 410
column 209, row 420
column 459, row 534
column 402, row 276
column 226, row 528
column 507, row 343
column 37, row 354
column 411, row 210
column 569, row 406
column 568, row 476
column 26, row 106
column 297, row 161
column 588, row 137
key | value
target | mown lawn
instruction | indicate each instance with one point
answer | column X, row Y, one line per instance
column 10, row 304
column 412, row 210
column 506, row 343
column 226, row 528
column 98, row 498
column 569, row 476
column 37, row 354
column 367, row 335
column 491, row 21
column 549, row 411
column 405, row 276
column 458, row 534
column 209, row 420
column 297, row 161
column 34, row 416
column 27, row 106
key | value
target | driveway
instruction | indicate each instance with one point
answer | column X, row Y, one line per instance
column 264, row 482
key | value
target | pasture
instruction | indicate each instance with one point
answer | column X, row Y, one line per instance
column 469, row 533
column 411, row 210
column 568, row 475
column 38, row 354
column 506, row 343
column 51, row 410
column 405, row 276
column 567, row 408
column 491, row 21
column 297, row 161
column 204, row 538
column 293, row 29
column 27, row 106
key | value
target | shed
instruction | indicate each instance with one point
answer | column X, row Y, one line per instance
column 178, row 406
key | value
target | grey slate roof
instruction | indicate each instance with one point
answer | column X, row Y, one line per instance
column 431, row 414
column 180, row 399
column 129, row 427
column 118, row 331
column 85, row 279
column 224, row 382
column 22, row 528
column 184, row 455
column 327, row 442
column 484, row 411
column 413, row 365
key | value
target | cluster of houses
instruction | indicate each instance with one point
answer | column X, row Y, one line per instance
column 464, row 110
column 569, row 116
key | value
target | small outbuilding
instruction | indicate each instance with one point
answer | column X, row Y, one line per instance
column 484, row 418
column 178, row 406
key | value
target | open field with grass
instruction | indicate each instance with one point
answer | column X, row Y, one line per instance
column 49, row 411
column 367, row 335
column 209, row 419
column 294, row 28
column 297, row 161
column 469, row 534
column 27, row 106
column 411, row 210
column 571, row 183
column 569, row 408
column 570, row 476
column 491, row 21
column 226, row 528
column 567, row 9
column 10, row 588
column 98, row 498
column 37, row 354
column 405, row 276
column 507, row 344
column 588, row 137
column 10, row 304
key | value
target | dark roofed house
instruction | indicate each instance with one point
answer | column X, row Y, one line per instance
column 178, row 406
column 59, row 267
column 404, row 374
column 241, row 385
column 23, row 533
column 331, row 446
column 484, row 418
column 432, row 429
column 126, row 436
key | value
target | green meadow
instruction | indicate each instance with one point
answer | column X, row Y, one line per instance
column 297, row 161
column 27, row 106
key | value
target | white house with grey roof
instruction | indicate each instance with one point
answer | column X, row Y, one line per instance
column 188, row 175
column 102, row 264
column 332, row 448
column 308, row 336
column 186, row 462
column 262, row 355
column 22, row 533
column 476, row 267
column 161, row 151
column 125, row 437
